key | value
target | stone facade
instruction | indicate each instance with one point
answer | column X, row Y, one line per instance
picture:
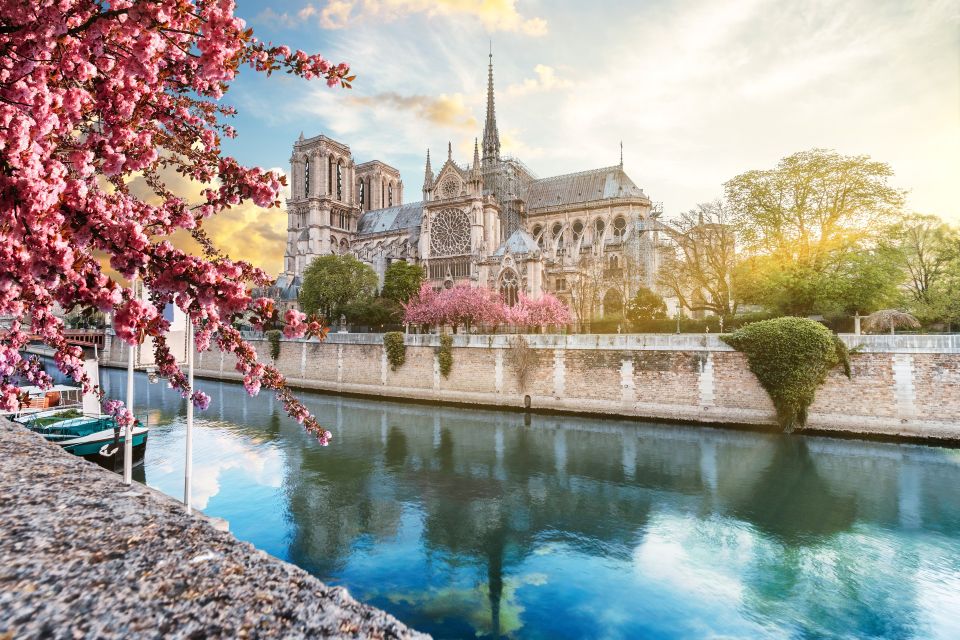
column 901, row 385
column 490, row 222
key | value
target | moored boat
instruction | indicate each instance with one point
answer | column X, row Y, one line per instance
column 95, row 438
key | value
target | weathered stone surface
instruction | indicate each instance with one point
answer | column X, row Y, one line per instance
column 83, row 556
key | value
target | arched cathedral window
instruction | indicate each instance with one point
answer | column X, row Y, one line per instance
column 361, row 193
column 509, row 287
column 619, row 227
column 390, row 195
column 339, row 180
column 306, row 177
column 450, row 233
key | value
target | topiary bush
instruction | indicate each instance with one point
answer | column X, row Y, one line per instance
column 273, row 337
column 445, row 355
column 396, row 350
column 791, row 357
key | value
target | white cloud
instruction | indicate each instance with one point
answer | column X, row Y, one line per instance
column 494, row 15
column 546, row 80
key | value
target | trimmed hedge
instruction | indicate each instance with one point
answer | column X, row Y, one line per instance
column 273, row 337
column 791, row 358
column 396, row 350
column 445, row 355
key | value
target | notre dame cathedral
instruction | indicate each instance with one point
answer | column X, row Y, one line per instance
column 590, row 234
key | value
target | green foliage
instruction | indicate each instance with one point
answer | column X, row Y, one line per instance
column 401, row 281
column 396, row 350
column 445, row 355
column 330, row 283
column 791, row 358
column 373, row 312
column 273, row 337
column 646, row 305
column 814, row 228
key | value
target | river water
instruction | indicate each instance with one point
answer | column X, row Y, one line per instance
column 470, row 524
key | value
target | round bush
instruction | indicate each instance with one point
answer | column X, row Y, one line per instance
column 791, row 357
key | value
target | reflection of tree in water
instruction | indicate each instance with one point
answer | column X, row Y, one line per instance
column 810, row 566
column 499, row 520
column 791, row 502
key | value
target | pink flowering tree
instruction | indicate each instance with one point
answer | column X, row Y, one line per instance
column 468, row 306
column 546, row 310
column 93, row 94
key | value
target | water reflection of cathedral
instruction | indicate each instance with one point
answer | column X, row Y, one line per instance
column 491, row 222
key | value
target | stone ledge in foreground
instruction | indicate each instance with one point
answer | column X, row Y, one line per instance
column 83, row 556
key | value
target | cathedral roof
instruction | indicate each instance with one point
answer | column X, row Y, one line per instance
column 285, row 288
column 520, row 241
column 585, row 186
column 405, row 217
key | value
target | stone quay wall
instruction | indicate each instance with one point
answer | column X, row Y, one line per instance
column 901, row 385
column 84, row 556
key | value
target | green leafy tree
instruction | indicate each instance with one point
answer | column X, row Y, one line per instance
column 930, row 250
column 374, row 312
column 401, row 281
column 330, row 283
column 810, row 229
column 646, row 305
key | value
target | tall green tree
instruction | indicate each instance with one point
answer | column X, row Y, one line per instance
column 813, row 231
column 330, row 283
column 401, row 281
column 929, row 247
column 646, row 305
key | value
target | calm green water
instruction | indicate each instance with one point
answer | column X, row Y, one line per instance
column 472, row 524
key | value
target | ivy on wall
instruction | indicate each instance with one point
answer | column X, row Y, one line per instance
column 522, row 358
column 396, row 350
column 273, row 337
column 791, row 358
column 445, row 355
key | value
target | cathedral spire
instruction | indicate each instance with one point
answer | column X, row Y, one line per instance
column 491, row 135
column 427, row 174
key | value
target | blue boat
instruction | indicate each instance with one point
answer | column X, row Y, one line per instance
column 95, row 438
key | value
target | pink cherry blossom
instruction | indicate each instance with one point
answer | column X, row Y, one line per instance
column 93, row 94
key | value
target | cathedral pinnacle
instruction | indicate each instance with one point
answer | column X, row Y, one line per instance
column 449, row 151
column 491, row 136
column 428, row 173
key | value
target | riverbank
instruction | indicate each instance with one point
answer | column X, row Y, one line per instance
column 903, row 387
column 82, row 555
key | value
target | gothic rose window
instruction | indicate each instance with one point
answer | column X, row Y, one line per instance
column 450, row 233
column 450, row 188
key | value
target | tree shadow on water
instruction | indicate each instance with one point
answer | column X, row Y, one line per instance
column 791, row 502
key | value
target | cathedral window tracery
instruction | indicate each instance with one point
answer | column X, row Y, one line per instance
column 509, row 287
column 450, row 233
column 306, row 176
column 340, row 180
column 619, row 227
column 390, row 195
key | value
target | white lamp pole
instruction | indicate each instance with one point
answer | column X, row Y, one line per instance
column 128, row 438
column 188, row 464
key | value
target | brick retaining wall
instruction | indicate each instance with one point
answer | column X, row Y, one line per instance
column 901, row 385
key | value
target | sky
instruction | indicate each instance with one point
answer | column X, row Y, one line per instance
column 697, row 91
